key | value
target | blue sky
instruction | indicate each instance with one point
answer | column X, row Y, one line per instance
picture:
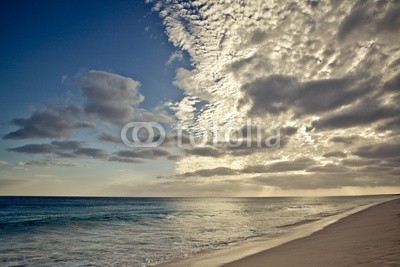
column 323, row 76
column 46, row 40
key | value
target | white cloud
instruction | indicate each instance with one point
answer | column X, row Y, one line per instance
column 176, row 56
column 339, row 55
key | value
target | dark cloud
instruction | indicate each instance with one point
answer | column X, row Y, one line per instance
column 174, row 157
column 65, row 149
column 94, row 153
column 233, row 149
column 390, row 125
column 373, row 169
column 347, row 140
column 258, row 36
column 276, row 167
column 205, row 152
column 395, row 172
column 110, row 138
column 282, row 166
column 357, row 162
column 370, row 19
column 278, row 93
column 393, row 84
column 391, row 162
column 335, row 154
column 364, row 113
column 328, row 168
column 49, row 122
column 220, row 171
column 143, row 153
column 124, row 160
column 68, row 144
column 288, row 130
column 378, row 151
column 270, row 95
column 109, row 97
column 255, row 143
column 34, row 149
column 47, row 163
column 353, row 21
column 65, row 153
column 250, row 66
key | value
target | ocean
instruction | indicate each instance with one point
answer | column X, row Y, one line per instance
column 97, row 231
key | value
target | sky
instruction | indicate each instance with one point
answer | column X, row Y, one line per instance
column 246, row 98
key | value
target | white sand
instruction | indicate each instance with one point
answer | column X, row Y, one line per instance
column 367, row 238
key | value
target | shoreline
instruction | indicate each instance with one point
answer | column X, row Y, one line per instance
column 369, row 237
column 236, row 254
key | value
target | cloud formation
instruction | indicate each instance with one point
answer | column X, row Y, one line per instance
column 109, row 96
column 53, row 122
column 63, row 149
column 324, row 72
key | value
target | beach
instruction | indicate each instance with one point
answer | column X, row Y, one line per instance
column 370, row 237
column 87, row 231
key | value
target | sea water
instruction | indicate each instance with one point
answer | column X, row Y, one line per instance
column 86, row 231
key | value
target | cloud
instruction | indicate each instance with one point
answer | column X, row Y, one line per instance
column 279, row 93
column 358, row 24
column 91, row 152
column 347, row 140
column 140, row 154
column 313, row 69
column 281, row 166
column 276, row 167
column 109, row 96
column 289, row 130
column 176, row 56
column 332, row 65
column 47, row 163
column 357, row 162
column 364, row 113
column 205, row 152
column 68, row 145
column 324, row 181
column 390, row 125
column 220, row 171
column 48, row 122
column 4, row 163
column 335, row 154
column 110, row 138
column 328, row 168
column 124, row 159
column 144, row 153
column 33, row 149
column 65, row 149
column 378, row 151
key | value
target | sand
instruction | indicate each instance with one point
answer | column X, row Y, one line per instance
column 370, row 237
